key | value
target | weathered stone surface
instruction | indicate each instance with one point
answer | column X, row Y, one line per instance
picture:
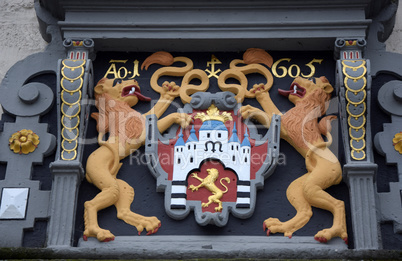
column 394, row 42
column 19, row 34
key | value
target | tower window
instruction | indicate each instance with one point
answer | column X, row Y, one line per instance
column 233, row 158
column 191, row 159
column 245, row 160
column 219, row 134
column 178, row 161
column 194, row 146
column 188, row 147
column 232, row 147
column 208, row 135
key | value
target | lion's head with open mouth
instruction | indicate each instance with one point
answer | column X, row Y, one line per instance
column 302, row 88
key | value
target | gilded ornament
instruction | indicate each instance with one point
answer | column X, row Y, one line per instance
column 356, row 116
column 78, row 43
column 71, row 91
column 74, row 108
column 351, row 43
column 23, row 141
column 345, row 81
column 355, row 93
column 397, row 142
column 358, row 64
column 214, row 114
column 349, row 63
column 213, row 72
column 209, row 183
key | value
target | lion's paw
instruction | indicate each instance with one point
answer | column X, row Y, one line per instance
column 218, row 209
column 193, row 188
column 205, row 204
column 249, row 111
column 325, row 235
column 257, row 88
column 170, row 86
column 170, row 89
column 102, row 235
column 150, row 224
column 183, row 119
column 274, row 225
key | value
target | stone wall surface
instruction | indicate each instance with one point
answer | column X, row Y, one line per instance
column 19, row 34
column 394, row 42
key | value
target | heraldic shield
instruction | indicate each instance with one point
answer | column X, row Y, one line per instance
column 214, row 166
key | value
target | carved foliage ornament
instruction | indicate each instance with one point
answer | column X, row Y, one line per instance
column 397, row 142
column 24, row 141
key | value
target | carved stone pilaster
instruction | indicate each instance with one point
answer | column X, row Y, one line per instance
column 74, row 78
column 66, row 179
column 363, row 206
column 75, row 83
column 388, row 143
column 353, row 85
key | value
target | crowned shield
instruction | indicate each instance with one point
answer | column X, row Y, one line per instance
column 215, row 166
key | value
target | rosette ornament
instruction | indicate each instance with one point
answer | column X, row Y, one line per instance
column 397, row 142
column 23, row 141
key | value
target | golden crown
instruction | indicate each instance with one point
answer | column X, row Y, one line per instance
column 213, row 114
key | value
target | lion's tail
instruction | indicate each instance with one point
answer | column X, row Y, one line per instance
column 256, row 55
column 311, row 160
column 162, row 58
column 325, row 129
column 228, row 181
column 116, row 162
column 166, row 59
column 325, row 124
column 253, row 58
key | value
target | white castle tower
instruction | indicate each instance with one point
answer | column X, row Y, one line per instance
column 212, row 143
